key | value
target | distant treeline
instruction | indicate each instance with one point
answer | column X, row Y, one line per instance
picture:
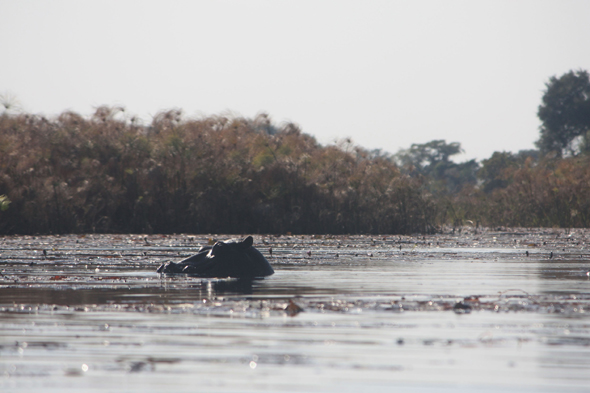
column 221, row 174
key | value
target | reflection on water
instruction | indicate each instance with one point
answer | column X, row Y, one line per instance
column 94, row 315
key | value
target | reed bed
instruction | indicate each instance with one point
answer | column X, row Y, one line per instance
column 222, row 174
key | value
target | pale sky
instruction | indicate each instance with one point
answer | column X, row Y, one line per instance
column 384, row 73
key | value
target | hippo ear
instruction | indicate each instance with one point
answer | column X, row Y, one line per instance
column 247, row 242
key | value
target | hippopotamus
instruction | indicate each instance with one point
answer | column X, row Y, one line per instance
column 232, row 258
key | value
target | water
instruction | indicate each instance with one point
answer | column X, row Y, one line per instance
column 464, row 312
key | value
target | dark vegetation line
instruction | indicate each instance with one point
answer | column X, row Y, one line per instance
column 235, row 175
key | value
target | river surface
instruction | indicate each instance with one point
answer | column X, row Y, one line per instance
column 477, row 310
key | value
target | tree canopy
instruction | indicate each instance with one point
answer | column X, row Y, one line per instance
column 424, row 156
column 432, row 159
column 565, row 114
column 497, row 171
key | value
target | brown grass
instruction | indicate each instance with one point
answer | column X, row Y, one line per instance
column 235, row 175
column 217, row 174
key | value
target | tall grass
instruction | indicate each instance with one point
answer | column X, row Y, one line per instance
column 552, row 192
column 213, row 175
column 220, row 174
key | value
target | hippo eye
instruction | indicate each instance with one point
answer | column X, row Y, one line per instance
column 218, row 247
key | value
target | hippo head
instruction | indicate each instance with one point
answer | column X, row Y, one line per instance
column 232, row 258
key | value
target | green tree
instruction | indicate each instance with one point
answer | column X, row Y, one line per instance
column 494, row 171
column 432, row 159
column 565, row 114
column 424, row 157
column 4, row 202
column 497, row 171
